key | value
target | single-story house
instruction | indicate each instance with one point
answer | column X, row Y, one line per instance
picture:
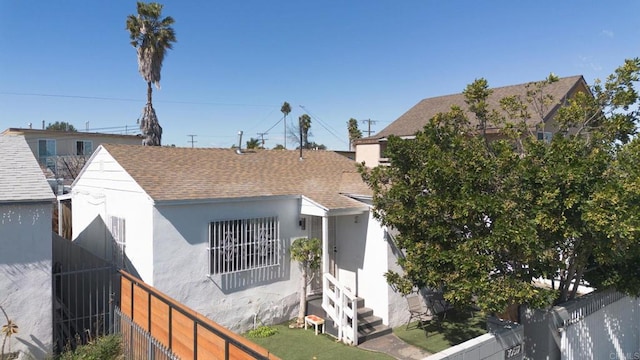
column 26, row 204
column 212, row 229
column 370, row 150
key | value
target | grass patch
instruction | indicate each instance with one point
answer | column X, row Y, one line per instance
column 289, row 343
column 437, row 335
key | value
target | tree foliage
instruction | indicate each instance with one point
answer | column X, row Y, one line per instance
column 285, row 110
column 301, row 132
column 61, row 126
column 253, row 144
column 308, row 253
column 483, row 220
column 354, row 131
column 151, row 35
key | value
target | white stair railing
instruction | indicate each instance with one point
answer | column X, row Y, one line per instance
column 341, row 306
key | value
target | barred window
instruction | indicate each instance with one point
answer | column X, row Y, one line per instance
column 239, row 245
column 117, row 230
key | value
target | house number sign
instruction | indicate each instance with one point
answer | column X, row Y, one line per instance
column 513, row 352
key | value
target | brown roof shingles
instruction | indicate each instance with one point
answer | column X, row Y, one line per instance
column 417, row 117
column 168, row 173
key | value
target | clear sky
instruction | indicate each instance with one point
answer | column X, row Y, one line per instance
column 236, row 62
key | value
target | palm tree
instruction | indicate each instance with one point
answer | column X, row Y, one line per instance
column 285, row 109
column 254, row 144
column 151, row 35
column 354, row 132
column 305, row 125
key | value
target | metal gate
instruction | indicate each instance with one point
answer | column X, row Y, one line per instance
column 85, row 289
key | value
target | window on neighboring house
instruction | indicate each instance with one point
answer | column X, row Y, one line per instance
column 117, row 230
column 239, row 245
column 545, row 136
column 84, row 147
column 47, row 153
column 383, row 151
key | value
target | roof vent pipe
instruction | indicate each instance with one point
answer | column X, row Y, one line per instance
column 239, row 149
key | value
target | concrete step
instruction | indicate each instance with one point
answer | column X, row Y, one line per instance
column 370, row 326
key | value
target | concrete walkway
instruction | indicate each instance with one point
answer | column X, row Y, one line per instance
column 393, row 346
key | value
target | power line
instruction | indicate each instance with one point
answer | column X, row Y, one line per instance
column 262, row 139
column 323, row 125
column 126, row 99
column 368, row 122
column 192, row 141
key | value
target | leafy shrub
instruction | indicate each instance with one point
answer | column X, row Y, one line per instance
column 103, row 348
column 262, row 332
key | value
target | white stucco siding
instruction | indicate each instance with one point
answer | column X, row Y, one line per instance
column 105, row 190
column 369, row 153
column 181, row 263
column 350, row 247
column 373, row 285
column 25, row 276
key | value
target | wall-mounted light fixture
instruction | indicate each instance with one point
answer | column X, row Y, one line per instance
column 303, row 223
column 356, row 219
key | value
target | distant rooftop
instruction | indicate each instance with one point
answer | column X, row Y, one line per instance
column 59, row 133
column 418, row 116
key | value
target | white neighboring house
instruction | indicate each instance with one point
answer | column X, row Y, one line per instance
column 212, row 229
column 26, row 204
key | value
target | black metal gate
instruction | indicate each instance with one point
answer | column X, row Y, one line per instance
column 85, row 289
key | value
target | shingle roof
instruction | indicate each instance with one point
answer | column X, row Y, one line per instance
column 168, row 173
column 21, row 179
column 417, row 117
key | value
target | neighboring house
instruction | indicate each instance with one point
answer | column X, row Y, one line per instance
column 26, row 203
column 371, row 149
column 212, row 228
column 61, row 154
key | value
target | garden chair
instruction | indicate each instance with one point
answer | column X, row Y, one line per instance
column 417, row 311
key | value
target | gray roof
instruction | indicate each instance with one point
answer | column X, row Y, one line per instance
column 21, row 179
column 418, row 116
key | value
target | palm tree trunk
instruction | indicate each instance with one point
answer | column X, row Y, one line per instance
column 149, row 91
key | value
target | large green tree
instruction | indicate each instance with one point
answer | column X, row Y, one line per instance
column 483, row 220
column 151, row 35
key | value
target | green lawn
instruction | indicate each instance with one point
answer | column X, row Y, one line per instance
column 437, row 335
column 304, row 344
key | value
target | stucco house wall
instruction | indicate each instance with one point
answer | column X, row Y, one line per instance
column 181, row 258
column 96, row 200
column 26, row 204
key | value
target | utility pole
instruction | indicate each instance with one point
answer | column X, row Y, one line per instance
column 192, row 141
column 262, row 139
column 368, row 122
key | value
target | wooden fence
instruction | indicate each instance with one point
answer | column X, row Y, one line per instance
column 185, row 332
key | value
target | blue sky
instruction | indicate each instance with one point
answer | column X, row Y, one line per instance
column 236, row 62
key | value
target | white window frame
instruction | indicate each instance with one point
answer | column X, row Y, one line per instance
column 117, row 228
column 242, row 245
column 87, row 147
